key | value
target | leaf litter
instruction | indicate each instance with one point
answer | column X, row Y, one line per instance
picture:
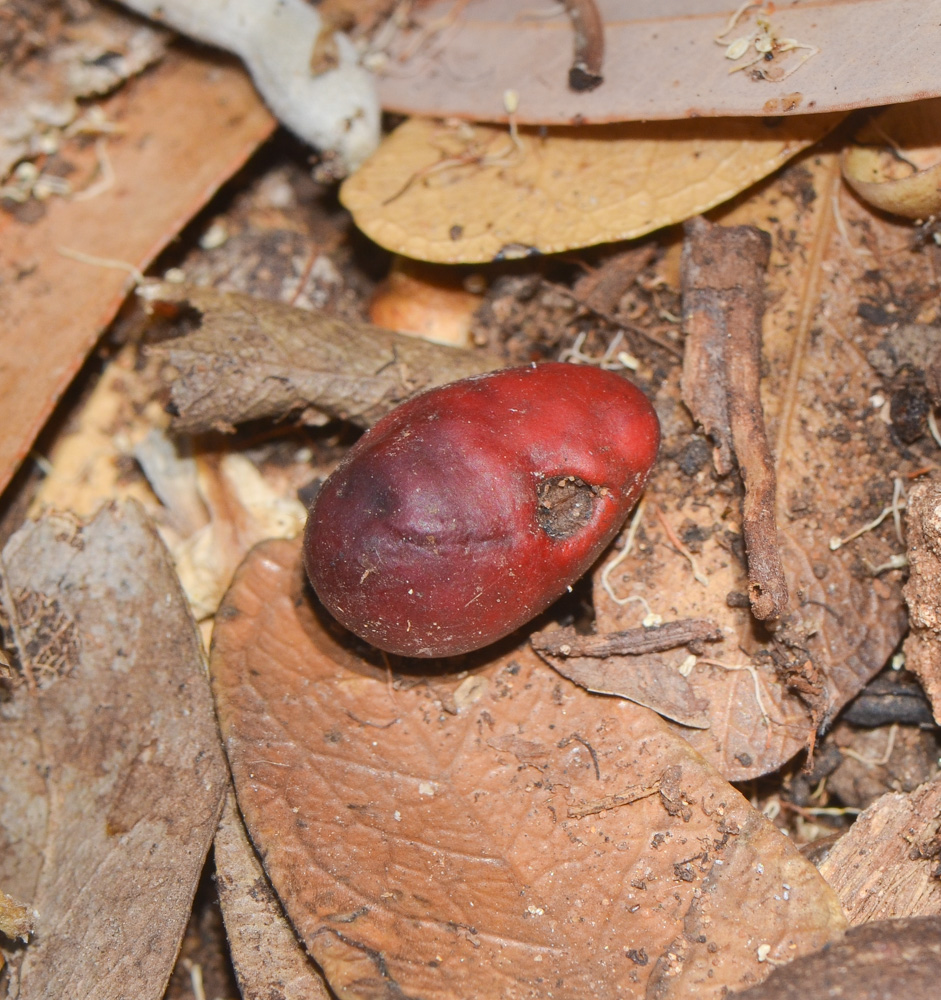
column 768, row 691
column 893, row 313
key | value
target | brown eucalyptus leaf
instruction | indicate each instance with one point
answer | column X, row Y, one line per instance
column 268, row 958
column 250, row 359
column 887, row 958
column 661, row 60
column 835, row 458
column 452, row 193
column 888, row 864
column 491, row 832
column 111, row 756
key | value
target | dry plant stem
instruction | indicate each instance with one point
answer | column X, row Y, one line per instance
column 632, row 641
column 585, row 73
column 252, row 360
column 723, row 305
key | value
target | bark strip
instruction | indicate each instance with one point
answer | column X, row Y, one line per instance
column 723, row 305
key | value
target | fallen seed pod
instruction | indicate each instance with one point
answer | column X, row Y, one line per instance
column 471, row 507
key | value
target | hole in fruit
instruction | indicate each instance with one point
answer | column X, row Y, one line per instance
column 564, row 505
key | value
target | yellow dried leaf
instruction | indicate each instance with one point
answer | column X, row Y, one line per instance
column 471, row 193
column 896, row 165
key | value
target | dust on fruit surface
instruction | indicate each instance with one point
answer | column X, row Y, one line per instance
column 565, row 505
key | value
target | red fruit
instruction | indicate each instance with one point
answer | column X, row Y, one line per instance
column 470, row 508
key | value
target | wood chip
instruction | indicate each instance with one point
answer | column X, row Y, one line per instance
column 923, row 589
column 889, row 862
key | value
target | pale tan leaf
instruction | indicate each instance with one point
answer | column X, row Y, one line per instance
column 662, row 59
column 529, row 839
column 110, row 752
column 447, row 193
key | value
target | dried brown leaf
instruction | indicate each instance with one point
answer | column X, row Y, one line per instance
column 645, row 681
column 165, row 165
column 268, row 958
column 525, row 838
column 662, row 60
column 835, row 460
column 110, row 753
column 889, row 862
column 887, row 958
column 456, row 193
column 251, row 359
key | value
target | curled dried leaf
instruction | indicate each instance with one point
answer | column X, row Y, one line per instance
column 896, row 162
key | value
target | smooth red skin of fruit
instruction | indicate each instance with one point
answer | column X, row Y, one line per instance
column 425, row 542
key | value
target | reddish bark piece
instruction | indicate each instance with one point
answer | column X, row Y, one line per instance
column 533, row 840
column 661, row 61
column 470, row 508
column 112, row 777
column 166, row 165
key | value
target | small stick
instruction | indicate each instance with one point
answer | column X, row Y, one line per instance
column 585, row 73
column 611, row 802
column 630, row 642
column 723, row 305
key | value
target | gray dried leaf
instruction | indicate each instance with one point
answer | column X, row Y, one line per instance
column 113, row 774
